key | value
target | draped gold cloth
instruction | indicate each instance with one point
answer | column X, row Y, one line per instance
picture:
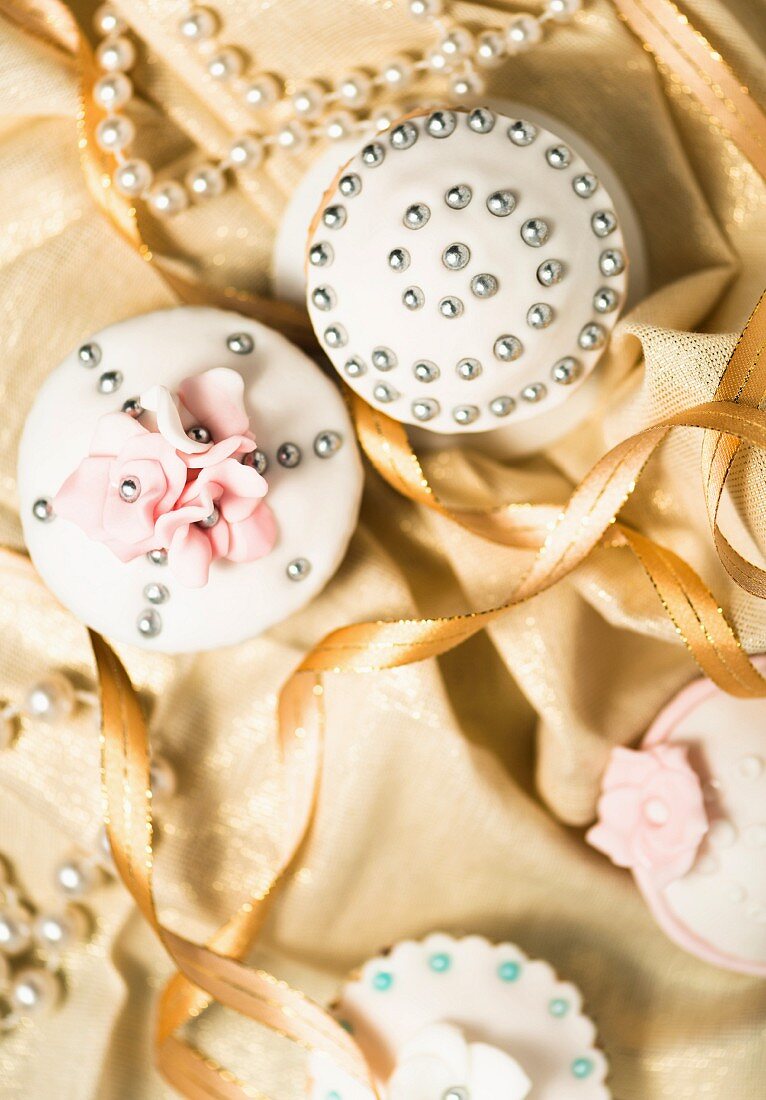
column 447, row 761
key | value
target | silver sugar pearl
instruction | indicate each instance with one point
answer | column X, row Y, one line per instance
column 298, row 569
column 592, row 336
column 534, row 393
column 566, row 371
column 605, row 300
column 468, row 369
column 416, row 216
column 354, row 367
column 241, row 343
column 522, row 133
column 465, row 414
column 209, row 521
column 257, row 460
column 334, row 217
column 501, row 203
column 42, row 510
column 383, row 358
column 484, row 285
column 89, row 355
column 413, row 298
column 156, row 593
column 603, row 223
column 450, row 307
column 458, row 196
column 550, row 272
column 535, row 232
column 149, row 623
column 324, row 298
column 502, row 406
column 327, row 444
column 335, row 336
column 425, row 408
column 611, row 262
column 373, row 154
column 384, row 393
column 198, row 434
column 456, row 256
column 158, row 557
column 539, row 315
column 440, row 124
column 110, row 381
column 481, row 121
column 129, row 489
column 585, row 185
column 425, row 371
column 321, row 254
column 508, row 348
column 398, row 259
column 456, row 1092
column 350, row 185
column 132, row 407
column 558, row 156
column 404, row 135
column 289, row 455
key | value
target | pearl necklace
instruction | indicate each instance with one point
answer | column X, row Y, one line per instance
column 34, row 941
column 317, row 112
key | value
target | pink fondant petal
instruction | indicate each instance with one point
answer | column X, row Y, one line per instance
column 628, row 767
column 166, row 526
column 81, row 498
column 113, row 431
column 613, row 844
column 240, row 487
column 254, row 537
column 189, row 557
column 233, row 445
column 216, row 400
column 220, row 539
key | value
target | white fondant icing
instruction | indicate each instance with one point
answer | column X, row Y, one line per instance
column 366, row 299
column 508, row 1019
column 315, row 504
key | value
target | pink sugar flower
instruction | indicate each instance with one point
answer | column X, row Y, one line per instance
column 651, row 812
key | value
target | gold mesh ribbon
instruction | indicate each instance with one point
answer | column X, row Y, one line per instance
column 563, row 539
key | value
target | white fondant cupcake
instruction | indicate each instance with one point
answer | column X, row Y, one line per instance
column 463, row 1019
column 687, row 814
column 465, row 270
column 187, row 479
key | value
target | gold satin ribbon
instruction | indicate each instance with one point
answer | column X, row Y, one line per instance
column 562, row 538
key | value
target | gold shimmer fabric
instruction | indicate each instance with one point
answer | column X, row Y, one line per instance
column 454, row 791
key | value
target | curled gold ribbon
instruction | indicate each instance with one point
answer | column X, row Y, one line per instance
column 563, row 539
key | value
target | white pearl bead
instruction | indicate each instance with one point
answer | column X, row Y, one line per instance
column 339, row 125
column 205, row 181
column 133, row 177
column 246, row 151
column 425, row 9
column 398, row 73
column 308, row 100
column 162, row 780
column 293, row 137
column 199, row 25
column 7, row 735
column 51, row 699
column 438, row 62
column 465, row 85
column 108, row 21
column 457, row 43
column 262, row 92
column 58, row 932
column 490, row 48
column 354, row 90
column 116, row 54
column 112, row 92
column 167, row 198
column 523, row 31
column 35, row 991
column 115, row 133
column 384, row 118
column 15, row 930
column 563, row 10
column 226, row 63
column 76, row 877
